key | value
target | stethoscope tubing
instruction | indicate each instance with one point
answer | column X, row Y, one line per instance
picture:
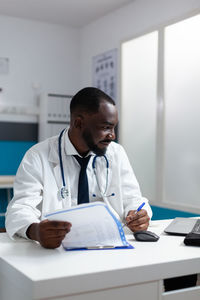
column 93, row 167
column 95, row 173
column 60, row 157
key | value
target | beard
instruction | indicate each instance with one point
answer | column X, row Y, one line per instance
column 91, row 144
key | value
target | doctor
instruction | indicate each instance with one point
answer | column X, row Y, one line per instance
column 49, row 176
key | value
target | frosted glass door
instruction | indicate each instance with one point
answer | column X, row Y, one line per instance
column 182, row 115
column 138, row 108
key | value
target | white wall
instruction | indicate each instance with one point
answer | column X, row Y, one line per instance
column 108, row 32
column 58, row 59
column 43, row 57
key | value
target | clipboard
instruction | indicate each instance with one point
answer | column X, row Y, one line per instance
column 94, row 227
column 129, row 246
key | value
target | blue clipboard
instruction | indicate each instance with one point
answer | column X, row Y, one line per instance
column 103, row 245
column 128, row 246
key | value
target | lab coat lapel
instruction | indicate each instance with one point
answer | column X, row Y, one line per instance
column 54, row 159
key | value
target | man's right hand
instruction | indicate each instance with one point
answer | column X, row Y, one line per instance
column 48, row 233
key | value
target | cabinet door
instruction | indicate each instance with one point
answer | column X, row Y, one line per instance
column 139, row 291
column 184, row 294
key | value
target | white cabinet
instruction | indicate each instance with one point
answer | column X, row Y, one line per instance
column 54, row 114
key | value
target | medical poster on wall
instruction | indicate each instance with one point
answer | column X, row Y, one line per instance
column 105, row 73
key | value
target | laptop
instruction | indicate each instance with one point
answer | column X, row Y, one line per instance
column 182, row 226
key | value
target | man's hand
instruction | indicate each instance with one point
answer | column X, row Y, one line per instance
column 138, row 221
column 49, row 233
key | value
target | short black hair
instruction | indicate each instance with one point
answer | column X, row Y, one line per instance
column 88, row 100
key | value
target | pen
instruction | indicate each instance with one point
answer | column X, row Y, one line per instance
column 138, row 209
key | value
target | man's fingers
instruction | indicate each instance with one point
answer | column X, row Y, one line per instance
column 51, row 225
column 134, row 214
column 140, row 221
column 52, row 239
column 137, row 218
column 51, row 233
column 56, row 233
column 52, row 243
column 60, row 224
column 140, row 227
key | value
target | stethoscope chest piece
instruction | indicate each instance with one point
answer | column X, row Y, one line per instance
column 63, row 193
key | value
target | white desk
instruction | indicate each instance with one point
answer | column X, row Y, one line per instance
column 27, row 271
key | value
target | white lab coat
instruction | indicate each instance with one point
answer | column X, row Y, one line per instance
column 38, row 182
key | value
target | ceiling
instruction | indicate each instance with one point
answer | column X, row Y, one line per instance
column 73, row 13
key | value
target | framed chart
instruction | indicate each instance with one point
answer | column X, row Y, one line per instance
column 105, row 73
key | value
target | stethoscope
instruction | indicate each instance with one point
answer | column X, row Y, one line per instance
column 64, row 192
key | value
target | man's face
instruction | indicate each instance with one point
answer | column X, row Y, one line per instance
column 98, row 131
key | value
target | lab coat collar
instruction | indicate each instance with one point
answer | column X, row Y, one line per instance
column 53, row 150
column 69, row 149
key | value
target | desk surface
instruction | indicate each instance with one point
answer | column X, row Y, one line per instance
column 56, row 272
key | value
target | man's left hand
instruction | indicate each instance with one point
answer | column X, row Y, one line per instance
column 138, row 221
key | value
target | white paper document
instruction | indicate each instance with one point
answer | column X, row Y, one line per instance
column 93, row 226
